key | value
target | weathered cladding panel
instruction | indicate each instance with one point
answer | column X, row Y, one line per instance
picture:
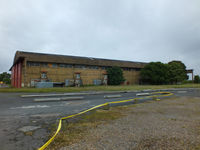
column 19, row 75
column 33, row 70
column 16, row 75
column 60, row 74
column 23, row 73
column 13, row 77
column 54, row 74
column 131, row 76
column 88, row 75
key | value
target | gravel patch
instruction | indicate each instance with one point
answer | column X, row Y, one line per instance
column 29, row 128
column 171, row 124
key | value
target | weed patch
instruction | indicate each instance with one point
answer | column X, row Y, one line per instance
column 96, row 88
column 74, row 131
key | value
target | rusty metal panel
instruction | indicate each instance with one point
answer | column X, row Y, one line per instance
column 14, row 84
column 16, row 78
column 19, row 75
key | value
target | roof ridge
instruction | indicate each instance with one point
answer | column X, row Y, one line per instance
column 83, row 57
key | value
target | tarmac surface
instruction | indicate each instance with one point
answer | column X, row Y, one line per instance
column 25, row 123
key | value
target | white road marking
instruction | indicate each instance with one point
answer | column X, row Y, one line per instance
column 30, row 107
column 182, row 92
column 78, row 102
column 57, row 99
column 49, row 95
column 73, row 94
column 64, row 104
column 142, row 94
column 112, row 96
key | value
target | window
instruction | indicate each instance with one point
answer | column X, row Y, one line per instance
column 44, row 64
column 65, row 65
column 28, row 63
column 103, row 68
column 33, row 63
column 80, row 66
column 62, row 65
column 93, row 67
column 78, row 76
column 96, row 67
column 77, row 66
column 49, row 65
column 43, row 75
column 36, row 64
column 127, row 69
column 54, row 65
column 68, row 66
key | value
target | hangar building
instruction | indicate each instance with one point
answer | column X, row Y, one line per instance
column 29, row 69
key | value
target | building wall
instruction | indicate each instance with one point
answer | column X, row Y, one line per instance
column 60, row 74
column 132, row 77
column 16, row 75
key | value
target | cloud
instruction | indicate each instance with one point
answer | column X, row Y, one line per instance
column 152, row 30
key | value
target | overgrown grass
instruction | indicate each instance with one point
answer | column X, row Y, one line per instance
column 96, row 88
column 73, row 132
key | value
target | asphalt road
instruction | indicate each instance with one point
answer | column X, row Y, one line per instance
column 18, row 114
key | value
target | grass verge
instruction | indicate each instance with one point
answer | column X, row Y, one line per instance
column 96, row 88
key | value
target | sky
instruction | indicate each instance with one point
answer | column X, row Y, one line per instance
column 135, row 30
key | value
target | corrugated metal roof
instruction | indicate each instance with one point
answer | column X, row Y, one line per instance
column 53, row 58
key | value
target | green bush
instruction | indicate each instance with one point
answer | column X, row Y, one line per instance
column 196, row 79
column 115, row 76
column 158, row 73
column 155, row 73
column 5, row 77
column 177, row 72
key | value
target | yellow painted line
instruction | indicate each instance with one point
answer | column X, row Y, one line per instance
column 98, row 106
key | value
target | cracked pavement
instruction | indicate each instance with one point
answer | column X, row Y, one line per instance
column 25, row 124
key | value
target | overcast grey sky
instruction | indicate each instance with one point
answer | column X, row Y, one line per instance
column 136, row 30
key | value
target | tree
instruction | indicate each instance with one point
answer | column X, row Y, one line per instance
column 196, row 79
column 5, row 77
column 115, row 76
column 155, row 73
column 177, row 72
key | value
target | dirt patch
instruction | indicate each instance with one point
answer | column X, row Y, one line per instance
column 75, row 129
column 167, row 125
